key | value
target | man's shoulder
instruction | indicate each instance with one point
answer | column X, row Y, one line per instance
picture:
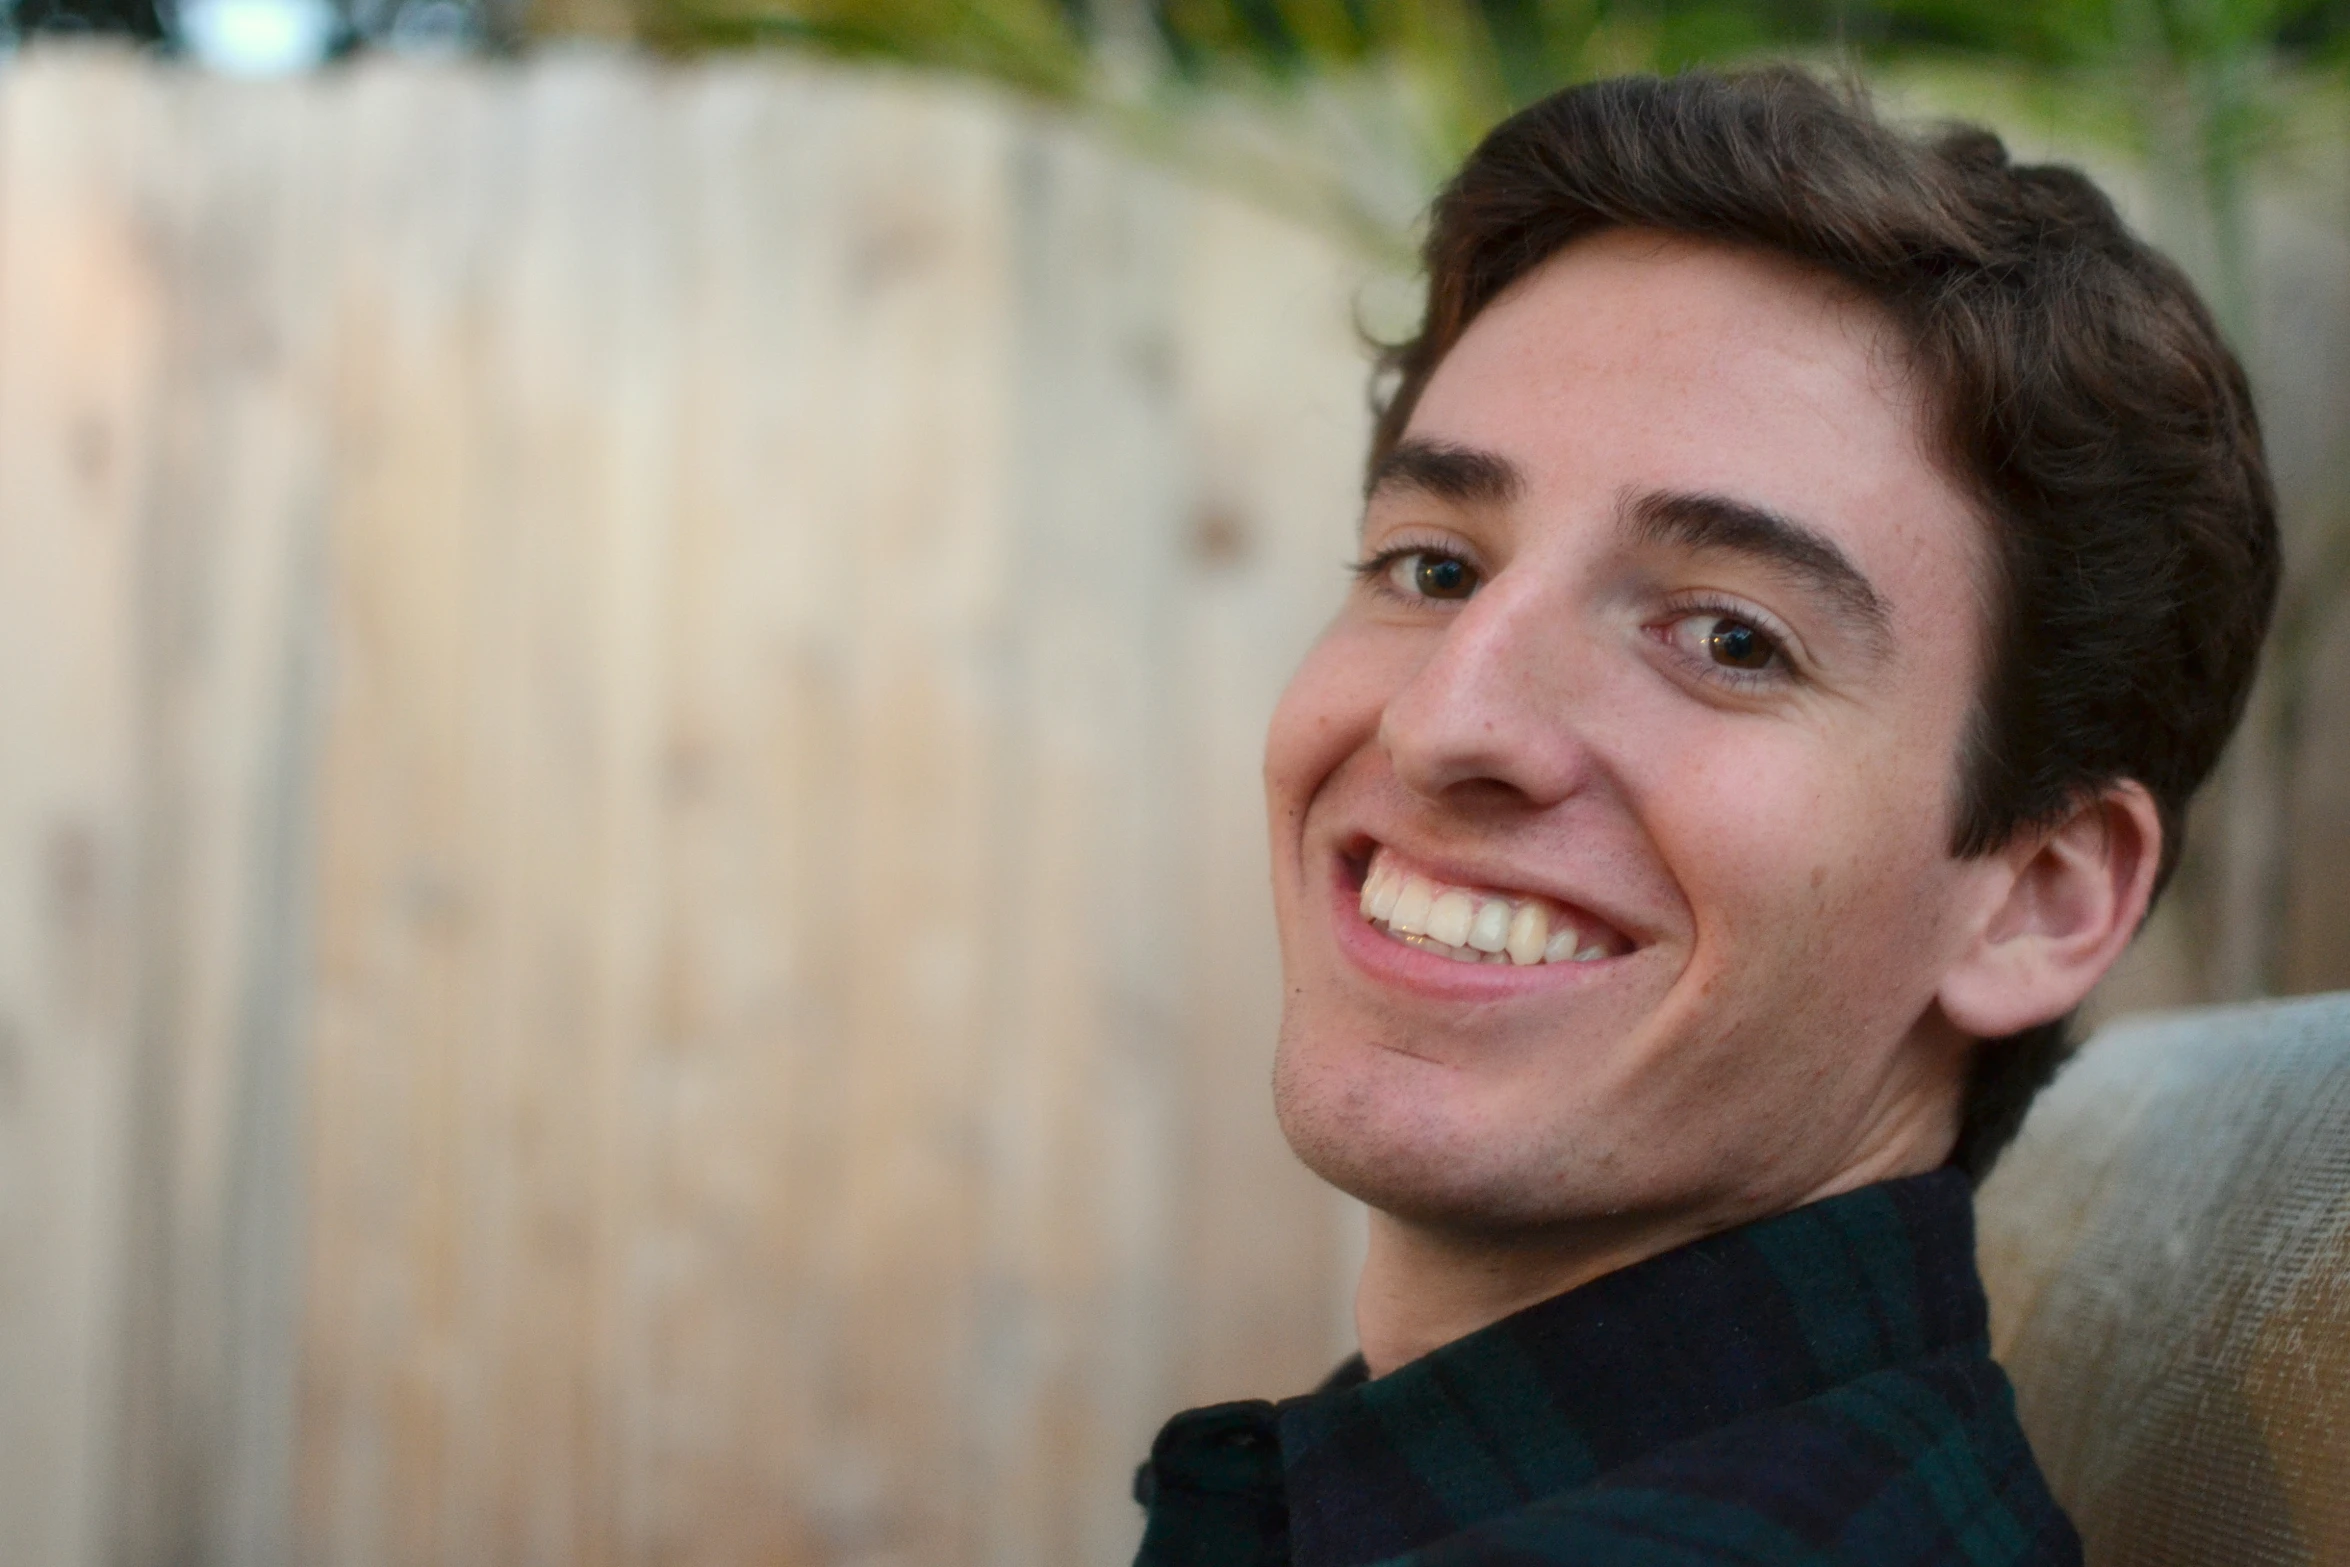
column 1921, row 1465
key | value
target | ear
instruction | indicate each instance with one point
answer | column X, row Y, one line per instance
column 2060, row 903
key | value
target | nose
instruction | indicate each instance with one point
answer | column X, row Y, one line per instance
column 1495, row 708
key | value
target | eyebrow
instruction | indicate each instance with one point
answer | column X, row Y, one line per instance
column 1461, row 474
column 1701, row 521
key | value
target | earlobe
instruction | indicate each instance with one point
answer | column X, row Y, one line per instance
column 2060, row 904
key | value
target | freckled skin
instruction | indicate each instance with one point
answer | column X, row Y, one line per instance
column 1780, row 857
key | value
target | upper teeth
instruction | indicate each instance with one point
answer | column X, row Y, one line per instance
column 1471, row 926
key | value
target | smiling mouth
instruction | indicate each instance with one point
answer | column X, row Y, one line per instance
column 1478, row 925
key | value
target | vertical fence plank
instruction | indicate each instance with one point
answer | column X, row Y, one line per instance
column 1078, row 1092
column 79, row 326
column 398, row 1372
column 721, row 1430
column 1272, row 399
column 901, row 862
column 240, row 188
column 567, row 633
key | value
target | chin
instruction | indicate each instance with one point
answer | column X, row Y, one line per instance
column 1389, row 1134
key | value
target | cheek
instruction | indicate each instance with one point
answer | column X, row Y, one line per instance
column 1802, row 856
column 1329, row 710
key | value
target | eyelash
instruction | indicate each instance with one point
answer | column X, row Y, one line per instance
column 1692, row 606
column 1377, row 572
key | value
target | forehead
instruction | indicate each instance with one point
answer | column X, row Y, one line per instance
column 1634, row 361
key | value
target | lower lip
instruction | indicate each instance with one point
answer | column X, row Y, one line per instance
column 1400, row 966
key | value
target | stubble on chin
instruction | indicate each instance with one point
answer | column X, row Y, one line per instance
column 1370, row 1122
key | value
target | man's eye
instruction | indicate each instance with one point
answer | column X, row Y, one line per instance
column 1729, row 643
column 1426, row 574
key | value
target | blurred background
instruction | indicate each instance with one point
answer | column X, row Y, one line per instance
column 633, row 640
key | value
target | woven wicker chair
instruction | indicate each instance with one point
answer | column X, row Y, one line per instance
column 2167, row 1248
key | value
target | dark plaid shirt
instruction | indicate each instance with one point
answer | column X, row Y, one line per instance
column 1815, row 1387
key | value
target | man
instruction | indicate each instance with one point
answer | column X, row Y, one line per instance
column 1806, row 570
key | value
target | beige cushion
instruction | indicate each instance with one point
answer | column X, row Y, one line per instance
column 2167, row 1248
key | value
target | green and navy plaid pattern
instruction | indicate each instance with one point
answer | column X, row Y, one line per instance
column 1815, row 1387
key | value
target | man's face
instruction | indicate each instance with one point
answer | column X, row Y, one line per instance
column 1668, row 634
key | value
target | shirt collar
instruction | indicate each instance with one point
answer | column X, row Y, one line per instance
column 1747, row 1320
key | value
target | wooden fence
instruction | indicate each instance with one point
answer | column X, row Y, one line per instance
column 631, row 913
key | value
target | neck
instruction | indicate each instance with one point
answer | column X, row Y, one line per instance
column 1422, row 1286
column 1425, row 1285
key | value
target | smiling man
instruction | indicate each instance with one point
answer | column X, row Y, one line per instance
column 1805, row 573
